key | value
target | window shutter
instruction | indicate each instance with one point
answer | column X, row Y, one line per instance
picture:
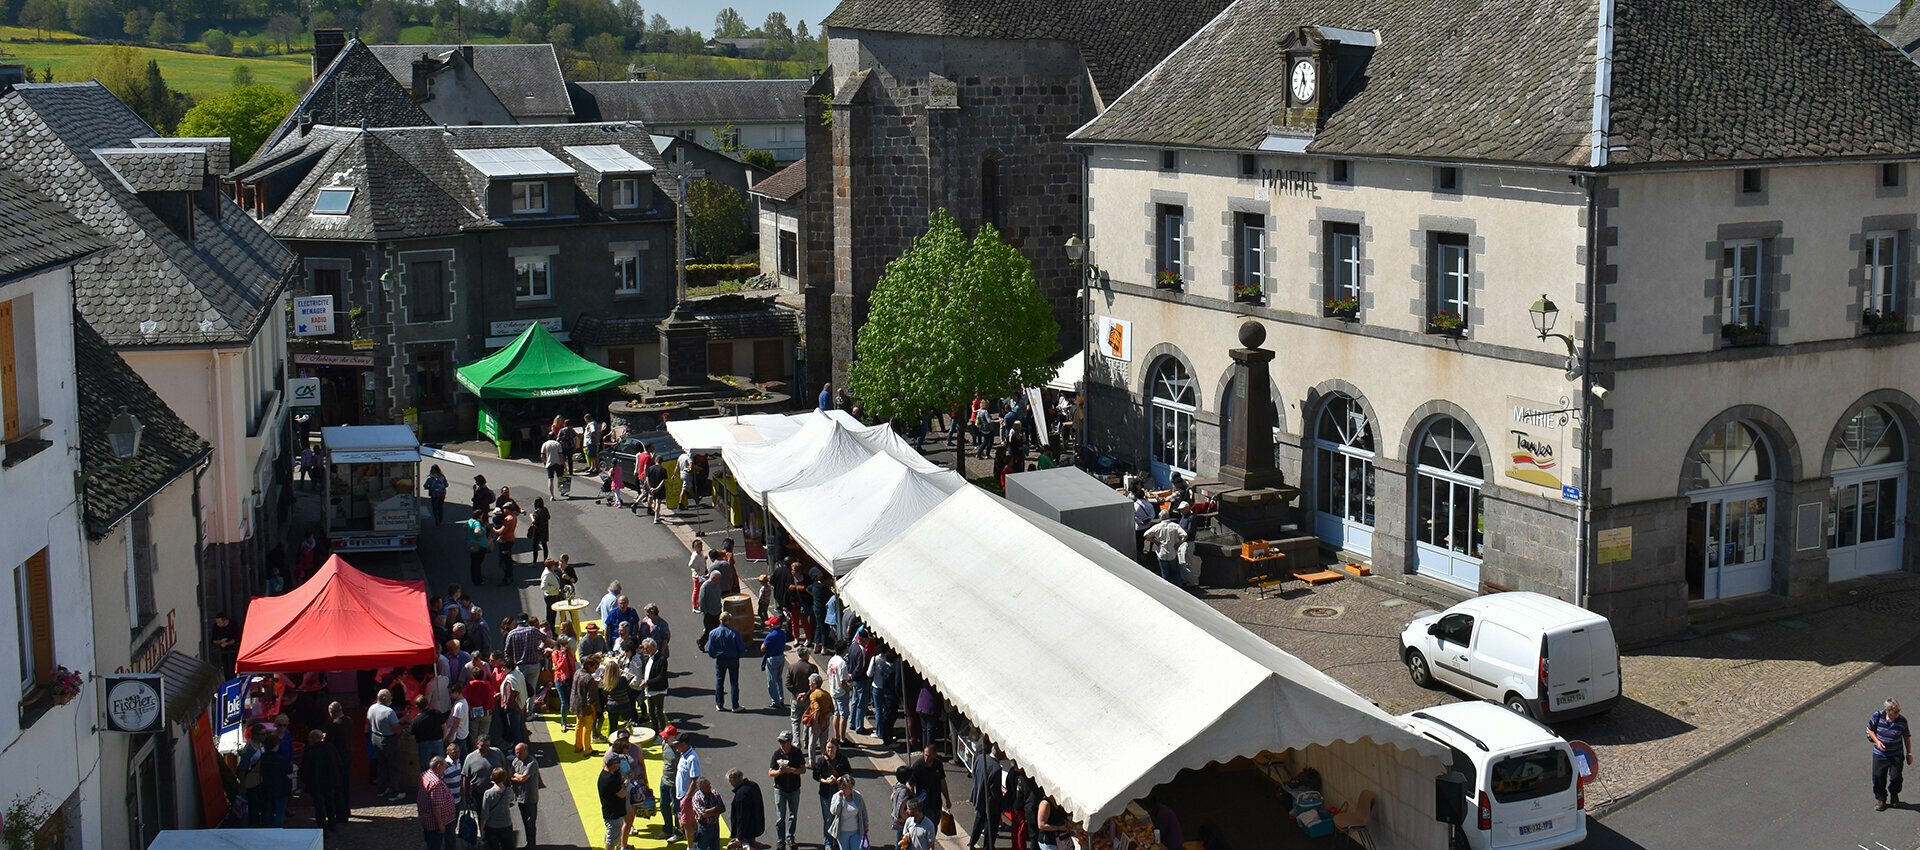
column 9, row 388
column 40, row 602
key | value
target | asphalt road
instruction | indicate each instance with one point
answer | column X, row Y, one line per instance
column 611, row 544
column 1805, row 785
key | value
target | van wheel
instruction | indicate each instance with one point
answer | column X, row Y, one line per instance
column 1417, row 669
column 1518, row 705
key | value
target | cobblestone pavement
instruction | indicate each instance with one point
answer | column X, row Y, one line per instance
column 1685, row 699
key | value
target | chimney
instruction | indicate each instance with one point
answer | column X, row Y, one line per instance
column 423, row 68
column 466, row 52
column 327, row 44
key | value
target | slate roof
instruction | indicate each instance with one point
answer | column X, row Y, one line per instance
column 1503, row 80
column 525, row 77
column 37, row 234
column 355, row 89
column 145, row 170
column 1120, row 40
column 409, row 182
column 705, row 103
column 169, row 448
column 1902, row 25
column 785, row 184
column 776, row 320
column 217, row 289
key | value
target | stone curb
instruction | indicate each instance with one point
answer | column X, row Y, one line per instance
column 1601, row 811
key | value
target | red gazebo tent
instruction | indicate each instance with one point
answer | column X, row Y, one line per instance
column 340, row 619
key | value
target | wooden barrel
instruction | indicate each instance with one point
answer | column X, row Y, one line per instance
column 737, row 612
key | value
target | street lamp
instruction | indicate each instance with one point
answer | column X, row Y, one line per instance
column 1545, row 313
column 123, row 434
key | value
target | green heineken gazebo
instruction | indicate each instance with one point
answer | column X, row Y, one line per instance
column 534, row 365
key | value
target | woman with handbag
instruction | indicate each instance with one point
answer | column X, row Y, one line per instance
column 1055, row 826
column 847, row 817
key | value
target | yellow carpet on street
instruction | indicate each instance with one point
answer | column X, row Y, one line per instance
column 582, row 773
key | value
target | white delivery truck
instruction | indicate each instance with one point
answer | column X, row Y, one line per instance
column 372, row 476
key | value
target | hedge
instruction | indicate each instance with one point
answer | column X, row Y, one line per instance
column 711, row 274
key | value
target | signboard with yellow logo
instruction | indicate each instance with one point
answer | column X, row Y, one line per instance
column 1116, row 338
column 1536, row 442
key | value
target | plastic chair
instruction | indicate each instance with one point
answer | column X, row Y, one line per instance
column 1353, row 822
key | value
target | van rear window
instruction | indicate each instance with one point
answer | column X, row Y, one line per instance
column 1530, row 776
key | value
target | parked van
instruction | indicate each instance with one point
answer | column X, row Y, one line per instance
column 1544, row 658
column 1522, row 789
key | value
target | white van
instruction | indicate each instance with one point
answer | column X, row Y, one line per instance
column 1522, row 788
column 1541, row 657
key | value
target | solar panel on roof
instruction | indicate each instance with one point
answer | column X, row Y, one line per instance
column 609, row 159
column 515, row 162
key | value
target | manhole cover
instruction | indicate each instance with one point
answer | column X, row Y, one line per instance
column 1392, row 603
column 1321, row 612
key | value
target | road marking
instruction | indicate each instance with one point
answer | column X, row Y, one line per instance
column 582, row 774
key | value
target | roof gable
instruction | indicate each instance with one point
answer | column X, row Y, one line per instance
column 785, row 184
column 37, row 234
column 525, row 78
column 153, row 287
column 355, row 90
column 169, row 447
column 702, row 103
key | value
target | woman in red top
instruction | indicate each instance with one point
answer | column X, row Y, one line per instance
column 563, row 669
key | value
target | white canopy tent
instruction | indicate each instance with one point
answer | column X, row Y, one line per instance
column 1070, row 375
column 846, row 519
column 1103, row 681
column 718, row 432
column 823, row 449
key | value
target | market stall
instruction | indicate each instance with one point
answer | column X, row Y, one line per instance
column 844, row 520
column 533, row 366
column 824, row 448
column 718, row 432
column 369, row 497
column 340, row 619
column 1105, row 683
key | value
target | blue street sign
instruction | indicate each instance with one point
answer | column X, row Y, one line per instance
column 1570, row 493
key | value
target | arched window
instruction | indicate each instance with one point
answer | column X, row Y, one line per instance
column 1343, row 475
column 1172, row 428
column 1867, row 498
column 1449, row 511
column 1728, row 521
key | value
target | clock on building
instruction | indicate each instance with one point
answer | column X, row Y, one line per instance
column 1304, row 81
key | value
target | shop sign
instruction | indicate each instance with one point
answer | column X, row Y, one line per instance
column 1536, row 443
column 1116, row 338
column 134, row 702
column 313, row 315
column 1615, row 545
column 303, row 394
column 489, row 425
column 303, row 359
column 363, row 345
column 229, row 705
column 515, row 327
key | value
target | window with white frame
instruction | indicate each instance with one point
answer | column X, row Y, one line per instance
column 1343, row 262
column 1452, row 276
column 1250, row 256
column 530, row 196
column 1172, row 232
column 776, row 134
column 1883, row 277
column 532, row 278
column 626, row 272
column 1741, row 295
column 624, row 194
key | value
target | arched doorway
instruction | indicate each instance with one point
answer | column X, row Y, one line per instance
column 1449, row 512
column 1868, row 497
column 1728, row 520
column 1343, row 475
column 1171, row 429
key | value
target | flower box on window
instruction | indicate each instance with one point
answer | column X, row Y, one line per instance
column 1169, row 279
column 1737, row 335
column 1446, row 324
column 1248, row 293
column 1877, row 322
column 1345, row 309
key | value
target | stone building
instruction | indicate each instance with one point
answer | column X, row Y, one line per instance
column 1730, row 424
column 928, row 106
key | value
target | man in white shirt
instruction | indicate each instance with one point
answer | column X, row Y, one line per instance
column 1165, row 537
column 459, row 720
column 687, row 771
column 609, row 602
column 554, row 455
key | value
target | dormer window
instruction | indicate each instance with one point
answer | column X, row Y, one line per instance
column 624, row 194
column 333, row 201
column 529, row 197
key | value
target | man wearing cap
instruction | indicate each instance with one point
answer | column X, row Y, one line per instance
column 593, row 642
column 773, row 660
column 786, row 768
column 669, row 783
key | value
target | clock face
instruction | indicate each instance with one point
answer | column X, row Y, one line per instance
column 133, row 705
column 1305, row 78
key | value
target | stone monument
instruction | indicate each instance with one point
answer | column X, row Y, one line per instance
column 1255, row 502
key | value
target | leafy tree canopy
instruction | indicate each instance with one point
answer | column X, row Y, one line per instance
column 245, row 115
column 716, row 219
column 950, row 318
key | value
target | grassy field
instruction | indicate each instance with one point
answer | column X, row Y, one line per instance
column 198, row 74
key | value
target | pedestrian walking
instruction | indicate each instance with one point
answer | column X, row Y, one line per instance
column 479, row 541
column 496, row 812
column 773, row 662
column 916, row 831
column 725, row 647
column 656, row 479
column 749, row 810
column 929, row 782
column 554, row 455
column 819, row 715
column 848, row 816
column 541, row 530
column 436, row 485
column 435, row 804
column 1891, row 753
column 786, row 767
column 828, row 769
column 526, row 788
column 505, row 524
column 613, row 803
column 707, row 808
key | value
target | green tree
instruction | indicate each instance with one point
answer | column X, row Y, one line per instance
column 162, row 30
column 755, row 156
column 135, row 23
column 241, row 77
column 729, row 24
column 948, row 319
column 138, row 84
column 378, row 25
column 609, row 59
column 45, row 16
column 285, row 29
column 96, row 18
column 776, row 27
column 634, row 17
column 801, row 34
column 716, row 220
column 219, row 42
column 245, row 115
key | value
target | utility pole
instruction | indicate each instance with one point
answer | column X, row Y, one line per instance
column 682, row 171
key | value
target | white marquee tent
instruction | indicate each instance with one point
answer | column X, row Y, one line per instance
column 846, row 519
column 1103, row 681
column 823, row 449
column 717, row 432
